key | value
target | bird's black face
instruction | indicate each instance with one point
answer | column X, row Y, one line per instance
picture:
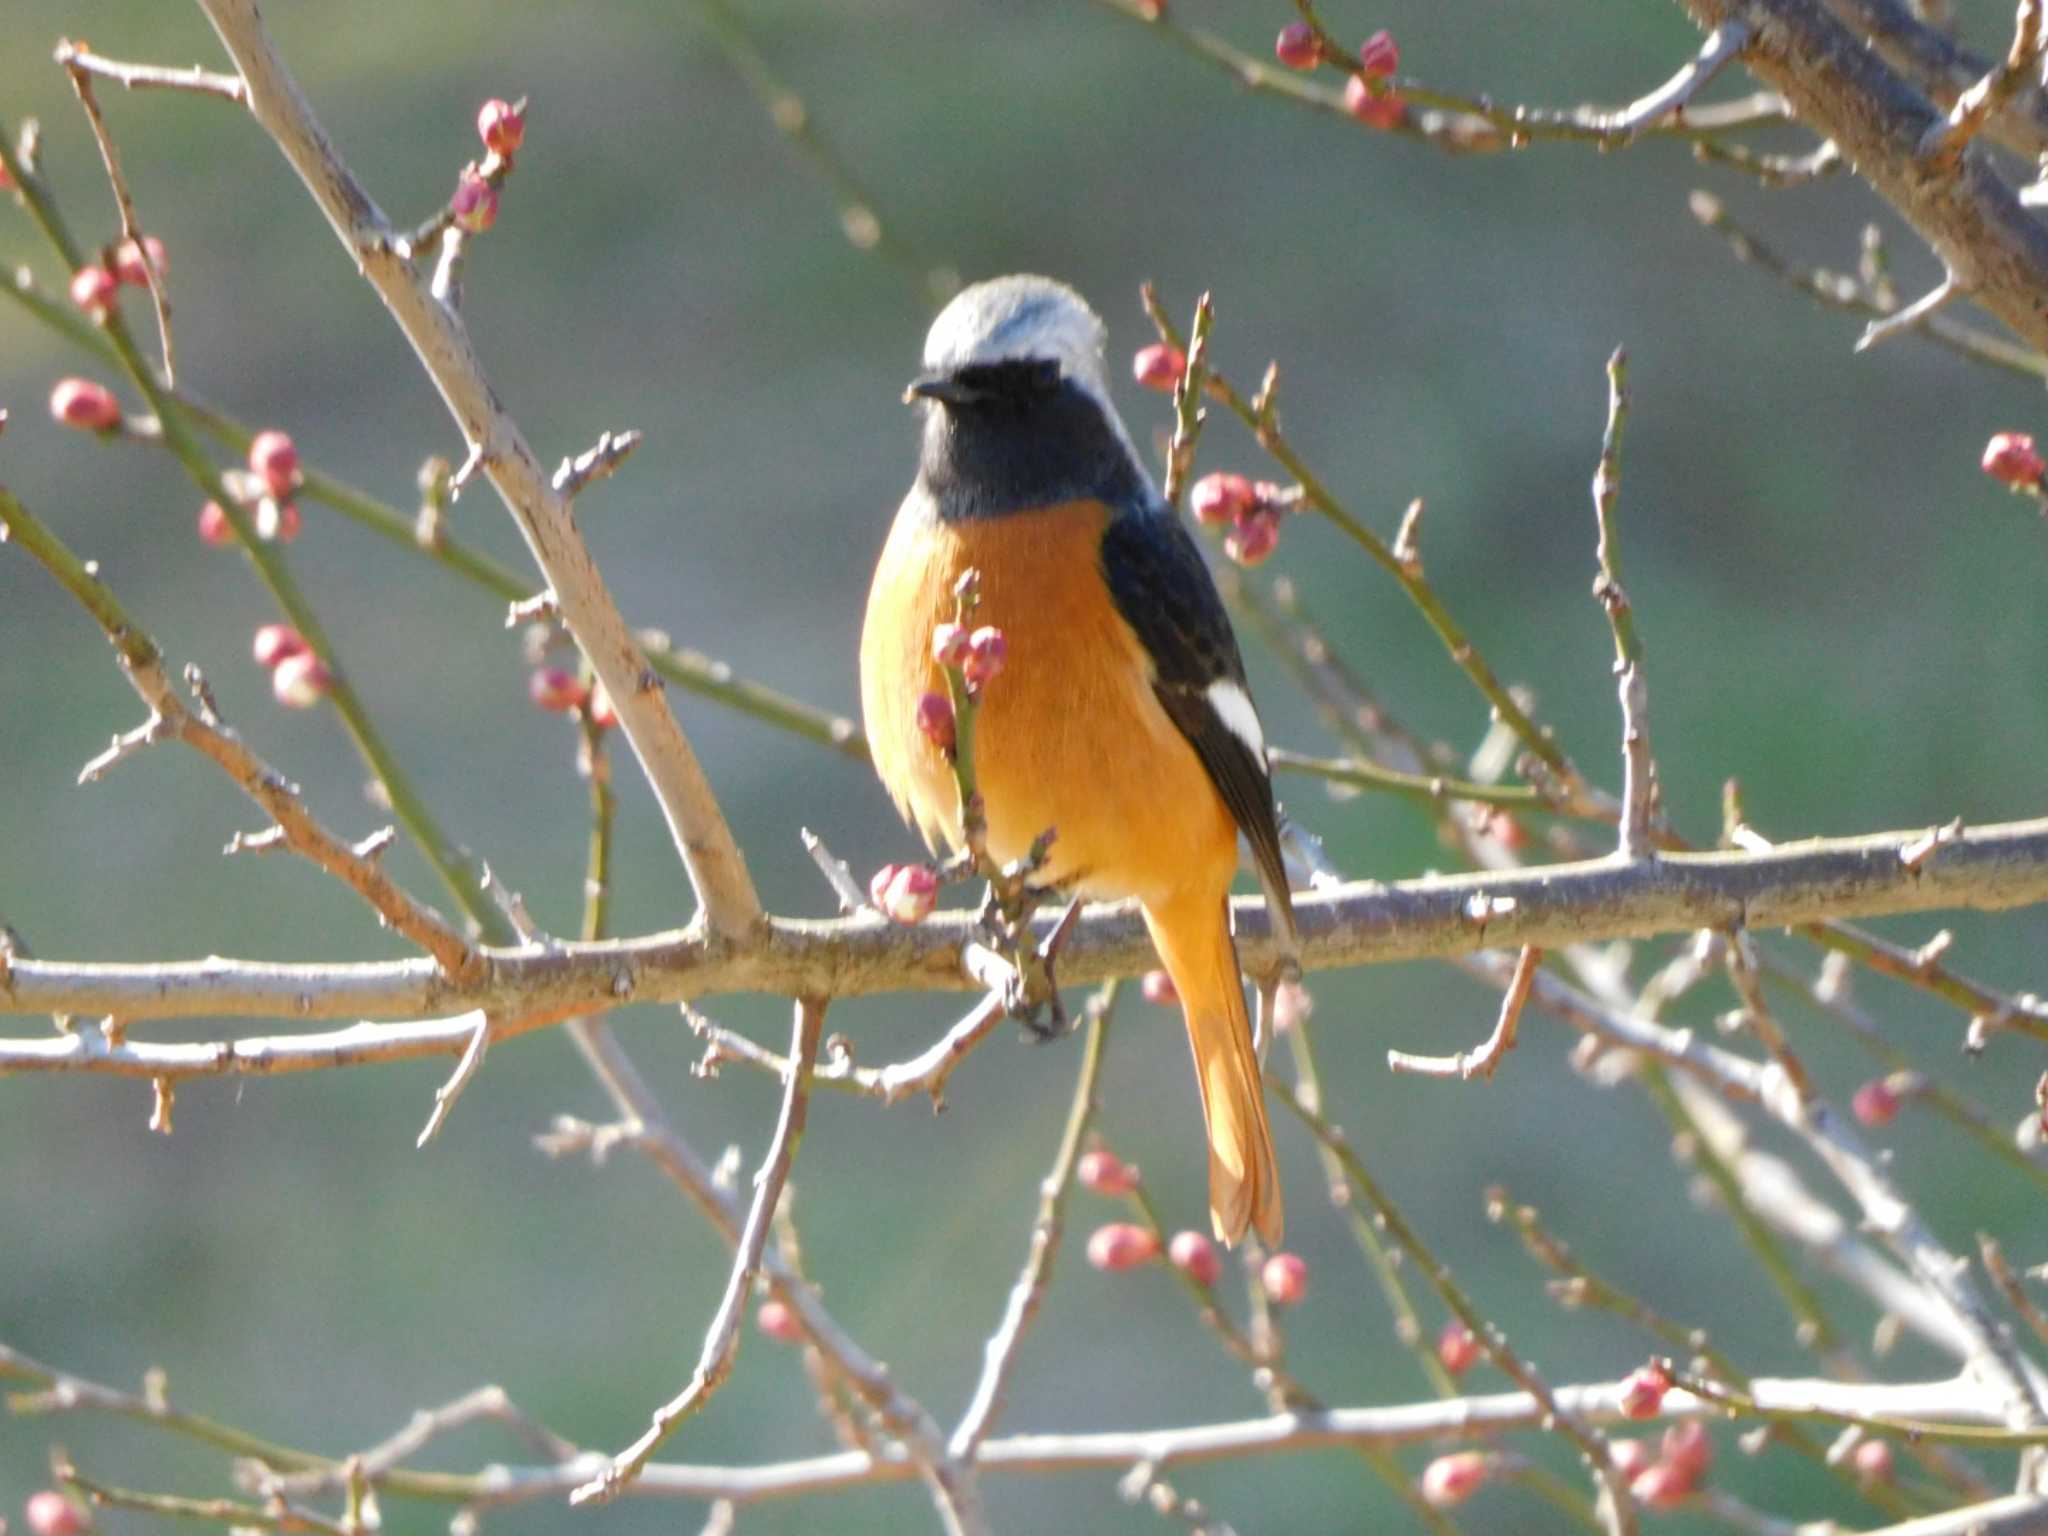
column 1017, row 434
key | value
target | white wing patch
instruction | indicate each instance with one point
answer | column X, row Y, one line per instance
column 1233, row 707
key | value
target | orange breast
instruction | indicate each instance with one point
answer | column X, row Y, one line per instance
column 1069, row 735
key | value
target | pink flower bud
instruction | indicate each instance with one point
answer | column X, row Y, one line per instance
column 51, row 1514
column 214, row 527
column 1292, row 1004
column 1456, row 1348
column 949, row 644
column 274, row 642
column 132, row 263
column 1385, row 110
column 6, row 179
column 1284, row 1279
column 1378, row 56
column 301, row 681
column 277, row 522
column 1689, row 1447
column 1121, row 1245
column 905, row 893
column 1103, row 1172
column 1629, row 1457
column 1195, row 1256
column 83, row 404
column 777, row 1321
column 555, row 689
column 1452, row 1479
column 1873, row 1461
column 935, row 719
column 1642, row 1392
column 602, row 714
column 1296, row 46
column 1662, row 1485
column 1875, row 1103
column 987, row 650
column 275, row 458
column 1253, row 540
column 2010, row 457
column 475, row 203
column 501, row 126
column 1158, row 989
column 1220, row 498
column 94, row 290
column 1159, row 366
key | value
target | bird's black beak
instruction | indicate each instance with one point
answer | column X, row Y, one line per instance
column 942, row 387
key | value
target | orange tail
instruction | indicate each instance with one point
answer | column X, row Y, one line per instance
column 1193, row 938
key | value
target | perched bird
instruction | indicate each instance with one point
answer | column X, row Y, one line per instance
column 1122, row 721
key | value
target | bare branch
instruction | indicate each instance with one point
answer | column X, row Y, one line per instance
column 1483, row 1059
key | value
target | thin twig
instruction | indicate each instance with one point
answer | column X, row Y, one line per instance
column 1639, row 770
column 1484, row 1058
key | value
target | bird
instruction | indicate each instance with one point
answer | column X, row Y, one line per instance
column 1122, row 721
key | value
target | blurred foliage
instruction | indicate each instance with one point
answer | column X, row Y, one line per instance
column 1838, row 608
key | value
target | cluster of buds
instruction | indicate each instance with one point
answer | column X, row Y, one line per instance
column 265, row 488
column 904, row 893
column 1674, row 1472
column 1367, row 95
column 96, row 287
column 978, row 655
column 1251, row 509
column 298, row 678
column 501, row 125
column 86, row 405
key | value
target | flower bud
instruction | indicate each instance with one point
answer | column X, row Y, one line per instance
column 777, row 1321
column 1195, row 1256
column 1103, row 1172
column 132, row 263
column 1157, row 988
column 1253, row 540
column 275, row 458
column 2009, row 456
column 554, row 689
column 301, row 680
column 1873, row 1461
column 1630, row 1458
column 1642, row 1392
column 1662, row 1485
column 1159, row 366
column 1296, row 46
column 51, row 1514
column 277, row 522
column 905, row 893
column 83, row 404
column 94, row 290
column 475, row 203
column 1452, row 1479
column 1378, row 56
column 274, row 642
column 1220, row 498
column 1876, row 1103
column 935, row 719
column 1385, row 110
column 214, row 527
column 1456, row 1349
column 1121, row 1245
column 1284, row 1279
column 987, row 650
column 1688, row 1447
column 602, row 714
column 949, row 644
column 501, row 126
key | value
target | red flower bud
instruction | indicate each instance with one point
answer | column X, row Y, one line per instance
column 905, row 893
column 1688, row 1447
column 1121, row 1245
column 1220, row 498
column 2010, row 457
column 1378, row 56
column 1452, row 1479
column 1195, row 1256
column 987, row 650
column 300, row 681
column 214, row 527
column 1296, row 46
column 1875, row 1103
column 274, row 642
column 1159, row 366
column 132, row 263
column 1385, row 110
column 1254, row 539
column 935, row 719
column 1158, row 988
column 554, row 689
column 1103, row 1172
column 6, row 179
column 602, row 715
column 83, row 404
column 1642, row 1392
column 51, row 1514
column 1284, row 1279
column 475, row 203
column 1456, row 1348
column 949, row 644
column 501, row 126
column 94, row 290
column 1873, row 1461
column 1662, row 1485
column 277, row 522
column 275, row 458
column 777, row 1321
column 1629, row 1457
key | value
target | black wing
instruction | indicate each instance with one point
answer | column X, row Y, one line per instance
column 1164, row 591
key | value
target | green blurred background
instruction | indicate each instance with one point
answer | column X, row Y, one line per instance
column 1838, row 608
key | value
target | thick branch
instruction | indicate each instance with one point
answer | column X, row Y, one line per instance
column 1997, row 866
column 717, row 870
